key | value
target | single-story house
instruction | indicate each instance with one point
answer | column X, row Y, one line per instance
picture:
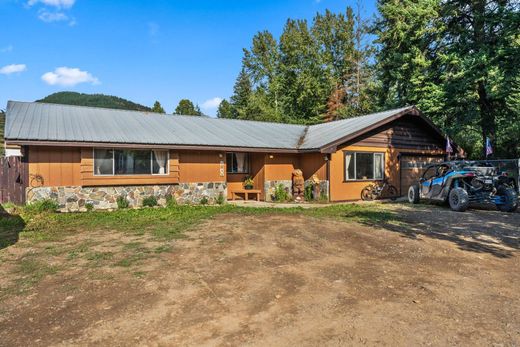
column 79, row 155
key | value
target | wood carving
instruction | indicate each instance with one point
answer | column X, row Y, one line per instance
column 298, row 184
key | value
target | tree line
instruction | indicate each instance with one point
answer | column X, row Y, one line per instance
column 456, row 60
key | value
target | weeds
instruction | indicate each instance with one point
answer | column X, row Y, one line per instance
column 281, row 194
column 150, row 201
column 42, row 206
column 122, row 202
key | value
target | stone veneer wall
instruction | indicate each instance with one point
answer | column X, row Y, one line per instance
column 270, row 187
column 73, row 199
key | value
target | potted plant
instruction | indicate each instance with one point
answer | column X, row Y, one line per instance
column 249, row 183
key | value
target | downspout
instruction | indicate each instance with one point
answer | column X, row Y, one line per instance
column 328, row 176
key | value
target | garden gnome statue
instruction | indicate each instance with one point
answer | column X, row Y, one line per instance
column 298, row 185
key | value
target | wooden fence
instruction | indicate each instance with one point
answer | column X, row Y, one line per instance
column 13, row 180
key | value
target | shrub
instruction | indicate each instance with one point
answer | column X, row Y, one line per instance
column 89, row 206
column 171, row 201
column 41, row 206
column 220, row 199
column 150, row 201
column 204, row 200
column 122, row 202
column 280, row 193
column 308, row 193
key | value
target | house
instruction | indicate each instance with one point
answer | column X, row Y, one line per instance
column 80, row 155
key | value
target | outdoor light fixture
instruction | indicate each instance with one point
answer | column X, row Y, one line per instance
column 271, row 156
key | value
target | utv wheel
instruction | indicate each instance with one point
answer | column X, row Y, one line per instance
column 511, row 199
column 413, row 194
column 458, row 199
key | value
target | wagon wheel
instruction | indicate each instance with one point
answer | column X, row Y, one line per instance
column 367, row 194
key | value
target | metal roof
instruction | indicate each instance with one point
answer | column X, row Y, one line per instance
column 33, row 121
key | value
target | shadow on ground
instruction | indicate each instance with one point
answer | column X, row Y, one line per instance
column 482, row 231
column 11, row 225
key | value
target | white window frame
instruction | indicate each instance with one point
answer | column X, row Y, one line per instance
column 166, row 172
column 354, row 162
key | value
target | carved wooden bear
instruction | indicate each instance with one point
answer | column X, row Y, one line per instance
column 298, row 184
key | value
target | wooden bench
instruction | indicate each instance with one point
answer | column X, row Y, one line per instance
column 246, row 193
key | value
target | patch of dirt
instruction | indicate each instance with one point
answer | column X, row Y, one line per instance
column 289, row 280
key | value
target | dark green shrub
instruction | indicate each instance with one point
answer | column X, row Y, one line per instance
column 122, row 202
column 150, row 201
column 204, row 200
column 89, row 206
column 41, row 206
column 170, row 201
column 281, row 194
column 220, row 199
column 308, row 193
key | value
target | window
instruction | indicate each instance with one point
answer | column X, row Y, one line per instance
column 237, row 162
column 364, row 166
column 130, row 162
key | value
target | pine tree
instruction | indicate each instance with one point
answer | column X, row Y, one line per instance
column 225, row 110
column 241, row 95
column 157, row 108
column 187, row 108
column 456, row 60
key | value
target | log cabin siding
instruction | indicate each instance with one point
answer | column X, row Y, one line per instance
column 408, row 132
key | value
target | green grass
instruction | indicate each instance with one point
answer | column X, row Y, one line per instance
column 163, row 223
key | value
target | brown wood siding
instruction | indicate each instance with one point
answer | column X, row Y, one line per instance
column 313, row 164
column 89, row 179
column 201, row 166
column 407, row 132
column 57, row 166
column 280, row 166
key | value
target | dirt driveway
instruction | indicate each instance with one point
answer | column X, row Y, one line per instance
column 285, row 280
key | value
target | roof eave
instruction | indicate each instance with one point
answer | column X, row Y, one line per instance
column 23, row 142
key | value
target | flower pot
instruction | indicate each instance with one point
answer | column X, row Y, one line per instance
column 248, row 187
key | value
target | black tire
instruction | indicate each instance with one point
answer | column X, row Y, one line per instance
column 511, row 199
column 366, row 194
column 391, row 192
column 413, row 194
column 458, row 199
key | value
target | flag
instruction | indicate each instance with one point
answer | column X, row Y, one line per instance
column 489, row 148
column 449, row 149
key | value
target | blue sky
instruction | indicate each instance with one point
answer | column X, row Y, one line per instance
column 139, row 50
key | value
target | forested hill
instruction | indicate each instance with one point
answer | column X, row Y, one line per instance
column 95, row 100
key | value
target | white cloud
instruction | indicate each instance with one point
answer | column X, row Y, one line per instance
column 13, row 68
column 53, row 3
column 67, row 76
column 7, row 49
column 212, row 103
column 49, row 17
